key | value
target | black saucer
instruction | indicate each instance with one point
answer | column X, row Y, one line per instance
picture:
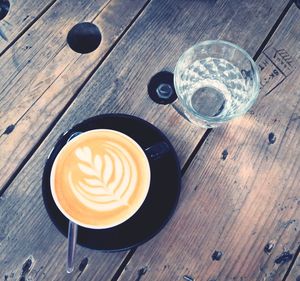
column 160, row 202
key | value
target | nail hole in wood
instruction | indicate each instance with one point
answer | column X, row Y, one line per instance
column 9, row 129
column 269, row 247
column 224, row 154
column 188, row 278
column 217, row 255
column 26, row 269
column 83, row 264
column 285, row 257
column 4, row 8
column 141, row 273
column 84, row 38
column 272, row 138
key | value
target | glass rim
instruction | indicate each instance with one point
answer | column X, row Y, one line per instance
column 256, row 79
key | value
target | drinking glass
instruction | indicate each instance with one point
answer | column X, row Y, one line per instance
column 215, row 81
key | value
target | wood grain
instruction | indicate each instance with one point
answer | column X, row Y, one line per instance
column 119, row 85
column 51, row 89
column 40, row 73
column 294, row 275
column 21, row 15
column 245, row 206
column 39, row 57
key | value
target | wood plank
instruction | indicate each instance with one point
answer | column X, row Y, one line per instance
column 21, row 15
column 119, row 85
column 294, row 275
column 42, row 72
column 40, row 57
column 48, row 91
column 246, row 206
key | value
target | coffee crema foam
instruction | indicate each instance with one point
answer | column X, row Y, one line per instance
column 100, row 178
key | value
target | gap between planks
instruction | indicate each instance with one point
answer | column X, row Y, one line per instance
column 292, row 264
column 130, row 254
column 273, row 29
column 57, row 118
column 22, row 32
column 204, row 138
column 84, row 82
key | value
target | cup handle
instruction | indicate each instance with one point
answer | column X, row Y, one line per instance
column 157, row 150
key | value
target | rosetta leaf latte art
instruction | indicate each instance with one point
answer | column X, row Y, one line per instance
column 102, row 182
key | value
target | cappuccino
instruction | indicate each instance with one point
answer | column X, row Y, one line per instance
column 100, row 178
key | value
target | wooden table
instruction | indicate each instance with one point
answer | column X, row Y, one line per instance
column 240, row 182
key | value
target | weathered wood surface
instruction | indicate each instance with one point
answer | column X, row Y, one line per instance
column 40, row 73
column 294, row 275
column 244, row 204
column 155, row 41
column 41, row 95
column 20, row 16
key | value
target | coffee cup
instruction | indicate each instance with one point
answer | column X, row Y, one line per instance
column 101, row 177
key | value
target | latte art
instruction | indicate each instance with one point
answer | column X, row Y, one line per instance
column 108, row 180
column 100, row 178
